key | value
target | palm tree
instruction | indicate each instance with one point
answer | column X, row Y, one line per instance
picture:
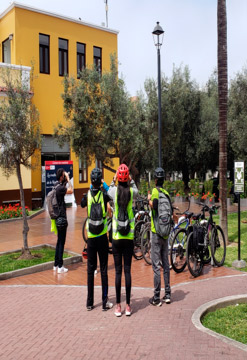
column 223, row 94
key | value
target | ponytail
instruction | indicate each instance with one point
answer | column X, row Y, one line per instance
column 123, row 195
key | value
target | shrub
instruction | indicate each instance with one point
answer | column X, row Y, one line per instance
column 12, row 212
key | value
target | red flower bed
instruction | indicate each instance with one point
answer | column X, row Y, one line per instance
column 12, row 212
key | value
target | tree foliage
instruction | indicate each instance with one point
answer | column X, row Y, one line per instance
column 19, row 131
column 102, row 120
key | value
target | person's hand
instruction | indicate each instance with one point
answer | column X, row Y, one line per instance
column 130, row 178
column 102, row 181
column 115, row 176
column 66, row 175
column 149, row 197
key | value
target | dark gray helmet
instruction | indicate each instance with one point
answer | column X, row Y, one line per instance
column 96, row 176
column 159, row 173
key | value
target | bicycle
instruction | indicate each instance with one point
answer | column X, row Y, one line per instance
column 173, row 237
column 206, row 237
column 179, row 242
column 142, row 216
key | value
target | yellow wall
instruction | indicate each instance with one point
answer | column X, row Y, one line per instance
column 11, row 183
column 26, row 26
column 7, row 27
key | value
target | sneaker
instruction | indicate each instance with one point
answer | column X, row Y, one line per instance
column 118, row 312
column 55, row 268
column 90, row 307
column 167, row 299
column 61, row 270
column 154, row 302
column 128, row 310
column 107, row 306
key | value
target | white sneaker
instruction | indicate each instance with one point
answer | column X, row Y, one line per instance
column 55, row 268
column 62, row 270
column 118, row 312
column 108, row 306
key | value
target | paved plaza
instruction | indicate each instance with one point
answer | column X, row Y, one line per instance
column 43, row 315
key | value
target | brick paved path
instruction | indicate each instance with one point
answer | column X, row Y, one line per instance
column 51, row 322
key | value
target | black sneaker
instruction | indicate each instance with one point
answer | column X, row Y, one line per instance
column 154, row 302
column 167, row 299
column 90, row 307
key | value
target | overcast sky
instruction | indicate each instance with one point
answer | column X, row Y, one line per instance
column 190, row 33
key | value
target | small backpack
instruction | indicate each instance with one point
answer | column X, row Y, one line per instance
column 198, row 237
column 95, row 219
column 123, row 223
column 163, row 220
column 52, row 204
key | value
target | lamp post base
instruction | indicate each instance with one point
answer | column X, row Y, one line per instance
column 239, row 264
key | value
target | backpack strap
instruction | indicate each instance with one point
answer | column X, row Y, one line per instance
column 96, row 201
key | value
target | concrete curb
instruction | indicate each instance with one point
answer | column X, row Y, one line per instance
column 217, row 304
column 20, row 218
column 75, row 258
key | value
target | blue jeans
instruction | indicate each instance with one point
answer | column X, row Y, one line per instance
column 159, row 256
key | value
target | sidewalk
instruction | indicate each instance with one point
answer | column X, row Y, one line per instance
column 43, row 316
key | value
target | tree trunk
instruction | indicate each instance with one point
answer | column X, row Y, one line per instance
column 24, row 215
column 223, row 94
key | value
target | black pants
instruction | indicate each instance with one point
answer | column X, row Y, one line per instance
column 61, row 237
column 97, row 245
column 122, row 250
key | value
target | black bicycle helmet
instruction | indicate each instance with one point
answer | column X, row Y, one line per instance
column 159, row 173
column 96, row 176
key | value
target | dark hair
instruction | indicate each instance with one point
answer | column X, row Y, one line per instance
column 123, row 195
column 60, row 173
column 159, row 182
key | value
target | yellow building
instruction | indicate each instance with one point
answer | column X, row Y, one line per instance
column 55, row 45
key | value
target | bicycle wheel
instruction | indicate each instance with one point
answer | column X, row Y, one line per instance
column 137, row 251
column 84, row 231
column 146, row 243
column 218, row 246
column 193, row 257
column 178, row 250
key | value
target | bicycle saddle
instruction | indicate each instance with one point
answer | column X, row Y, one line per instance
column 196, row 216
column 188, row 214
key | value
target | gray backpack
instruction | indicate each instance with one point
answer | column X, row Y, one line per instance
column 52, row 204
column 163, row 220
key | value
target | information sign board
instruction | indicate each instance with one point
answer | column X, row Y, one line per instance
column 239, row 177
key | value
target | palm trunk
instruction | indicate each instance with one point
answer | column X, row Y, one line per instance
column 223, row 94
column 24, row 215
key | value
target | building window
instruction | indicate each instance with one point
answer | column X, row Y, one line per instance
column 44, row 54
column 83, row 170
column 99, row 165
column 97, row 58
column 81, row 63
column 63, row 57
column 6, row 52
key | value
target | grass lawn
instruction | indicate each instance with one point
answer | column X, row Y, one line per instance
column 232, row 248
column 230, row 321
column 10, row 262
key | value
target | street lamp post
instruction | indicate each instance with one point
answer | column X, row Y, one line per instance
column 158, row 34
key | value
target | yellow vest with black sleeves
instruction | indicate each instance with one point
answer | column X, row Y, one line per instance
column 115, row 234
column 90, row 200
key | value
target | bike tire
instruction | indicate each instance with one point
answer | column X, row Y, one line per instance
column 137, row 251
column 146, row 243
column 178, row 259
column 194, row 261
column 218, row 246
column 84, row 231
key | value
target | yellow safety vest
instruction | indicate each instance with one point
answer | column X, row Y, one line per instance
column 90, row 200
column 115, row 234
